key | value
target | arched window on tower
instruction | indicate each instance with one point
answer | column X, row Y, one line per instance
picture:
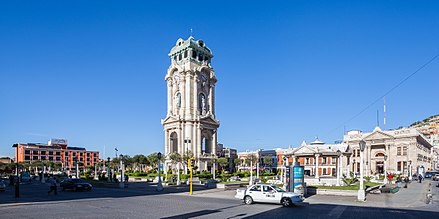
column 174, row 142
column 202, row 103
column 178, row 99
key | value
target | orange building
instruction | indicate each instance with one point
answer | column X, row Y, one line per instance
column 56, row 151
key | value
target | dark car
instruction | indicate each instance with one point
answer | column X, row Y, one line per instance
column 430, row 174
column 75, row 185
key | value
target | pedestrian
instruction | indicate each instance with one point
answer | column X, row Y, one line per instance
column 389, row 176
column 126, row 178
column 420, row 177
column 53, row 186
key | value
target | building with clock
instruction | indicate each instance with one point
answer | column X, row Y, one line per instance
column 190, row 125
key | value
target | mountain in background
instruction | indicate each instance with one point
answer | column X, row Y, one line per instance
column 429, row 127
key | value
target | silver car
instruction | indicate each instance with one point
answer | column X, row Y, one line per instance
column 268, row 194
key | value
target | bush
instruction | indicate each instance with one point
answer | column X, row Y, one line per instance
column 225, row 176
column 204, row 175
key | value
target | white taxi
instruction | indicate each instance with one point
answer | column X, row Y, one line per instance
column 268, row 194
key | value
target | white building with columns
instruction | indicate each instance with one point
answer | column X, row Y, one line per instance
column 190, row 125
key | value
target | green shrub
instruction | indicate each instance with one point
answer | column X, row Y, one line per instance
column 204, row 175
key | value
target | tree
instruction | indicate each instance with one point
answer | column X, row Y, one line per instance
column 237, row 162
column 223, row 162
column 268, row 161
column 175, row 158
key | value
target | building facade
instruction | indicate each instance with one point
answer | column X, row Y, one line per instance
column 404, row 151
column 56, row 150
column 190, row 125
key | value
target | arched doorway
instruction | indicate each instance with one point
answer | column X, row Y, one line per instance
column 379, row 164
column 174, row 142
column 206, row 142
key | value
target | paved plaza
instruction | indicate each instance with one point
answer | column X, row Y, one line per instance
column 141, row 200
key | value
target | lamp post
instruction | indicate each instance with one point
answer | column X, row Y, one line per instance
column 17, row 179
column 186, row 142
column 42, row 172
column 109, row 170
column 159, row 183
column 338, row 167
column 77, row 167
column 122, row 177
column 361, row 193
column 178, row 173
column 410, row 170
column 385, row 169
column 251, row 170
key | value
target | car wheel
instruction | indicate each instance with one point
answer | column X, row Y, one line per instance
column 286, row 202
column 248, row 200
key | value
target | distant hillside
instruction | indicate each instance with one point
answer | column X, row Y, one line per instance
column 428, row 126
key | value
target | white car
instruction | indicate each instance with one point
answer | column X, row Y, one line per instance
column 268, row 194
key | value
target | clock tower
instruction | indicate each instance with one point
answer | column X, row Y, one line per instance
column 190, row 125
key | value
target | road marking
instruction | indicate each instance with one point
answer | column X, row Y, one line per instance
column 337, row 212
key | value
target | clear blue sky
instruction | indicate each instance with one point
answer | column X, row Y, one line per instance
column 93, row 71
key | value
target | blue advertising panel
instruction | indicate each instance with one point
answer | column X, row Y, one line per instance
column 298, row 179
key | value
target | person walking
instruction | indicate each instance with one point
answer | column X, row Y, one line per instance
column 53, row 186
column 420, row 177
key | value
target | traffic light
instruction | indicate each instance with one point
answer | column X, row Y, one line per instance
column 192, row 162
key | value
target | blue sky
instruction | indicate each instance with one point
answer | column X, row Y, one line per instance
column 93, row 71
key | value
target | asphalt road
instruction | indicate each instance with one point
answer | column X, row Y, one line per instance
column 143, row 202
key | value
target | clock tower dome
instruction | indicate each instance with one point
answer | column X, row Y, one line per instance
column 190, row 125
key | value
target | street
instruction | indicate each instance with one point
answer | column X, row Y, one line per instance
column 142, row 201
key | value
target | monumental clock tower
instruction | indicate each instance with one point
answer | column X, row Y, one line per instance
column 190, row 125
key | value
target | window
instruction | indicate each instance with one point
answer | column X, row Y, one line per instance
column 50, row 158
column 35, row 152
column 267, row 189
column 404, row 151
column 179, row 57
column 324, row 171
column 398, row 165
column 26, row 151
column 200, row 57
column 58, row 158
column 66, row 153
column 34, row 157
column 256, row 188
column 194, row 54
column 74, row 154
column 58, row 153
column 26, row 157
column 323, row 160
column 307, row 160
column 43, row 152
column 398, row 151
column 333, row 160
column 43, row 157
column 185, row 53
column 50, row 152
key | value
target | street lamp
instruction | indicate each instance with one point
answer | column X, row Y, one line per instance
column 42, row 172
column 338, row 167
column 361, row 193
column 385, row 169
column 410, row 170
column 251, row 169
column 159, row 183
column 109, row 170
column 121, row 184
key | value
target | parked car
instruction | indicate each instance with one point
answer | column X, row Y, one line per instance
column 268, row 194
column 75, row 185
column 435, row 177
column 2, row 186
column 25, row 177
column 430, row 174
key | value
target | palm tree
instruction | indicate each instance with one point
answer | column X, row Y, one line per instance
column 237, row 162
column 223, row 162
column 175, row 158
column 268, row 161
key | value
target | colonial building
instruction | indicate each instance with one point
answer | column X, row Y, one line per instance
column 404, row 151
column 56, row 150
column 190, row 124
column 323, row 163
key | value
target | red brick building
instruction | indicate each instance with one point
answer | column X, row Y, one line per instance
column 56, row 150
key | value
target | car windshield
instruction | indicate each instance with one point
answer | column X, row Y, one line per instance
column 278, row 189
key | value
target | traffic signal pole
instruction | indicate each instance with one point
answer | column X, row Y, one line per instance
column 190, row 179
